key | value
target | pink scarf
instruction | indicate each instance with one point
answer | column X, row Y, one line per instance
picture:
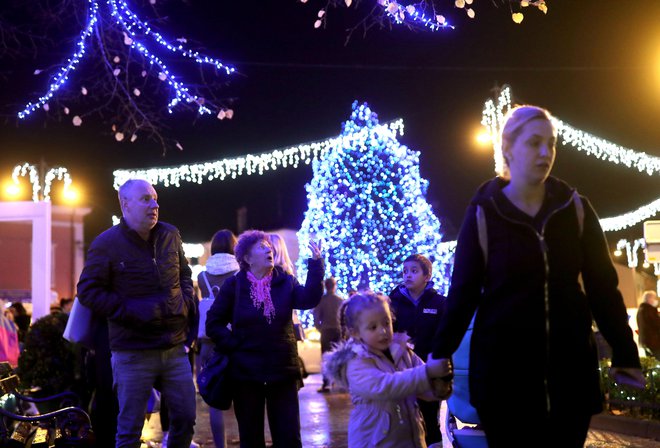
column 260, row 293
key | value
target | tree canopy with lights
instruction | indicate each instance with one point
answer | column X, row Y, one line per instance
column 367, row 203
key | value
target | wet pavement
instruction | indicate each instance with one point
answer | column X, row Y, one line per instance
column 324, row 419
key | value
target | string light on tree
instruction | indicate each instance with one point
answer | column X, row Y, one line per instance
column 493, row 120
column 413, row 14
column 366, row 201
column 138, row 36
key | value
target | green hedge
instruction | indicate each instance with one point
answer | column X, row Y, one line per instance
column 633, row 402
column 47, row 361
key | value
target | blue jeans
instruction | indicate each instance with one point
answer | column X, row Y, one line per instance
column 135, row 372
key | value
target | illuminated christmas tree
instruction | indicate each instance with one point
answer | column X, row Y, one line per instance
column 367, row 203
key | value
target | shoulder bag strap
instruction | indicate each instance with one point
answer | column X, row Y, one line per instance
column 482, row 232
column 579, row 210
column 206, row 280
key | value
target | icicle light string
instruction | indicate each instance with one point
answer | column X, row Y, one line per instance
column 231, row 168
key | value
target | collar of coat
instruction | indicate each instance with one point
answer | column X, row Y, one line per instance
column 335, row 362
column 279, row 276
column 557, row 193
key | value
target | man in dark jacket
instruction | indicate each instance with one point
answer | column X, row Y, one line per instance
column 648, row 323
column 417, row 309
column 326, row 320
column 137, row 276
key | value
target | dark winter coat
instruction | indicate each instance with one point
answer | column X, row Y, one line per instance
column 532, row 347
column 419, row 320
column 262, row 351
column 144, row 288
column 648, row 323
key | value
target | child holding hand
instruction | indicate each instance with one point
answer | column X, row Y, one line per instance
column 383, row 376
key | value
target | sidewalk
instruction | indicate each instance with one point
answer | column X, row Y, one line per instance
column 324, row 419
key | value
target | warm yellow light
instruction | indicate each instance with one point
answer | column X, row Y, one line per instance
column 482, row 137
column 11, row 190
column 71, row 195
column 617, row 253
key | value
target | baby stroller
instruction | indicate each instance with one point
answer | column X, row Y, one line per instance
column 462, row 423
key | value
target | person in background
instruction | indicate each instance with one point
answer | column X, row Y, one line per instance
column 326, row 320
column 281, row 253
column 21, row 319
column 418, row 308
column 526, row 239
column 9, row 348
column 220, row 266
column 383, row 375
column 136, row 275
column 648, row 323
column 281, row 258
column 258, row 302
column 66, row 303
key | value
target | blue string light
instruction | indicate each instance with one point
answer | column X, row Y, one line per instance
column 131, row 25
column 367, row 202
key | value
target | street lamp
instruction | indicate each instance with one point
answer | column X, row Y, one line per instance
column 482, row 137
column 11, row 190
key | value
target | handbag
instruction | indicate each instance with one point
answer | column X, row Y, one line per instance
column 214, row 380
column 80, row 326
column 214, row 383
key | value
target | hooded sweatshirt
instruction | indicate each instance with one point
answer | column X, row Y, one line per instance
column 218, row 268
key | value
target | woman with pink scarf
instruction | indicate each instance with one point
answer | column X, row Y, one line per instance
column 258, row 302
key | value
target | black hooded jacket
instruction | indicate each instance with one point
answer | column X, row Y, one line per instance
column 419, row 320
column 532, row 341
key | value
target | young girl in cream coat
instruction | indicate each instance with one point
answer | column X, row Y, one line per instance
column 383, row 376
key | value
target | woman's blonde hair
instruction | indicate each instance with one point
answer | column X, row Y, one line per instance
column 514, row 121
column 280, row 253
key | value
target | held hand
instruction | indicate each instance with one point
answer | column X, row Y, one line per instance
column 439, row 368
column 315, row 247
column 628, row 376
column 442, row 389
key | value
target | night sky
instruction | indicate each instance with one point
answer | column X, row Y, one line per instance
column 594, row 63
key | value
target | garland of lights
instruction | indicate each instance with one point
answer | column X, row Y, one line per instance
column 366, row 201
column 136, row 35
column 405, row 14
column 249, row 164
column 493, row 120
column 52, row 174
column 412, row 15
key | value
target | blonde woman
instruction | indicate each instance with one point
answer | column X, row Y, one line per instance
column 526, row 239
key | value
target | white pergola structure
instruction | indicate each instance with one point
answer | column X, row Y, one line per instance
column 39, row 214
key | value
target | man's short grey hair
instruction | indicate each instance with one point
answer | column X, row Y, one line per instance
column 126, row 186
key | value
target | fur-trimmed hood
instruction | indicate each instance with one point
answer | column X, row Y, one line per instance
column 335, row 362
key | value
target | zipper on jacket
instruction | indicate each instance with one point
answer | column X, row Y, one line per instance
column 546, row 292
